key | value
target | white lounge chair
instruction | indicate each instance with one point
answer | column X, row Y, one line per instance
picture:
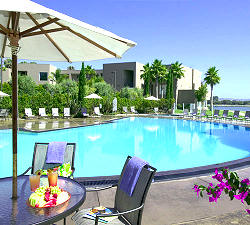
column 28, row 112
column 42, row 112
column 66, row 112
column 156, row 110
column 132, row 108
column 125, row 109
column 97, row 111
column 55, row 112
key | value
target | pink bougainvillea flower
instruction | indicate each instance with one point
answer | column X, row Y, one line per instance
column 241, row 196
column 217, row 175
column 245, row 181
column 248, row 210
column 196, row 189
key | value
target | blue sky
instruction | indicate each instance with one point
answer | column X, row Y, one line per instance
column 199, row 34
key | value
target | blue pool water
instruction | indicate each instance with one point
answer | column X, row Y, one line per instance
column 167, row 144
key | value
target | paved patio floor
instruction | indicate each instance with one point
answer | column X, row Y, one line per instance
column 174, row 202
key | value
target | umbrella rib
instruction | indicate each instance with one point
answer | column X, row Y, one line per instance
column 4, row 29
column 50, row 39
column 5, row 38
column 23, row 33
column 88, row 40
column 44, row 32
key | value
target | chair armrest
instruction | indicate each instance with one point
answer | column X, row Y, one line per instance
column 26, row 171
column 117, row 214
column 100, row 189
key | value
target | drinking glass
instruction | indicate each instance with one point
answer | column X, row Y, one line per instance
column 52, row 177
column 34, row 182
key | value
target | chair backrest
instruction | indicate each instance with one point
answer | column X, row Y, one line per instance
column 42, row 112
column 185, row 112
column 124, row 202
column 28, row 111
column 84, row 111
column 236, row 114
column 40, row 153
column 97, row 110
column 225, row 113
column 125, row 109
column 247, row 115
column 132, row 109
column 66, row 112
column 156, row 110
column 216, row 112
column 55, row 112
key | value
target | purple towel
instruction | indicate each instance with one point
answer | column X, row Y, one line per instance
column 55, row 152
column 131, row 174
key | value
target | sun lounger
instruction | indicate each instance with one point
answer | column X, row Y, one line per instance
column 66, row 112
column 246, row 118
column 84, row 112
column 202, row 114
column 224, row 114
column 42, row 112
column 28, row 112
column 4, row 113
column 97, row 111
column 132, row 108
column 125, row 109
column 235, row 115
column 185, row 113
column 55, row 112
column 156, row 111
column 216, row 114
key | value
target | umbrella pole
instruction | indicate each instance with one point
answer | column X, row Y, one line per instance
column 1, row 73
column 14, row 124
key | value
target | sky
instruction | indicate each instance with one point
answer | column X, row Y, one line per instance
column 199, row 34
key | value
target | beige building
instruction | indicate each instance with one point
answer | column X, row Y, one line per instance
column 39, row 72
column 121, row 75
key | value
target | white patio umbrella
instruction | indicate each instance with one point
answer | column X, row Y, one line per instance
column 35, row 32
column 93, row 96
column 152, row 98
column 2, row 94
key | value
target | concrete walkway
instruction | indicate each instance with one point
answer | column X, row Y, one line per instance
column 174, row 202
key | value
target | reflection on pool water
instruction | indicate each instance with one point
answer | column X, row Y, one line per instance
column 167, row 144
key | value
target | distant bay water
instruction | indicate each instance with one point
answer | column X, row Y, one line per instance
column 232, row 107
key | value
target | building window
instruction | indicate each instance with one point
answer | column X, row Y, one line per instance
column 22, row 73
column 43, row 76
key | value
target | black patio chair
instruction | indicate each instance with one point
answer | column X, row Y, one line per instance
column 39, row 157
column 129, row 209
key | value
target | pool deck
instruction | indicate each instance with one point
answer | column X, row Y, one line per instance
column 168, row 202
column 174, row 202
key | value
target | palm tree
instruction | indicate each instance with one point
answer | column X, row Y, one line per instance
column 176, row 71
column 201, row 93
column 147, row 77
column 158, row 73
column 212, row 78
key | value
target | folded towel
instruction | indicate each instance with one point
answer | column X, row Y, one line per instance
column 55, row 152
column 131, row 174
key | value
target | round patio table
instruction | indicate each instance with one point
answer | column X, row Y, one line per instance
column 18, row 212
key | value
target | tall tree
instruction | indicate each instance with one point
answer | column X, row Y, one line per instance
column 147, row 77
column 59, row 76
column 82, row 84
column 201, row 93
column 212, row 78
column 176, row 71
column 158, row 73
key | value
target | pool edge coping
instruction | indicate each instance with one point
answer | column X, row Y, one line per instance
column 171, row 174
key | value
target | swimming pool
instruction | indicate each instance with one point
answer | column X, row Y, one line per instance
column 167, row 144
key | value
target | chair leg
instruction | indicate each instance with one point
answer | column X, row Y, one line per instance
column 64, row 221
